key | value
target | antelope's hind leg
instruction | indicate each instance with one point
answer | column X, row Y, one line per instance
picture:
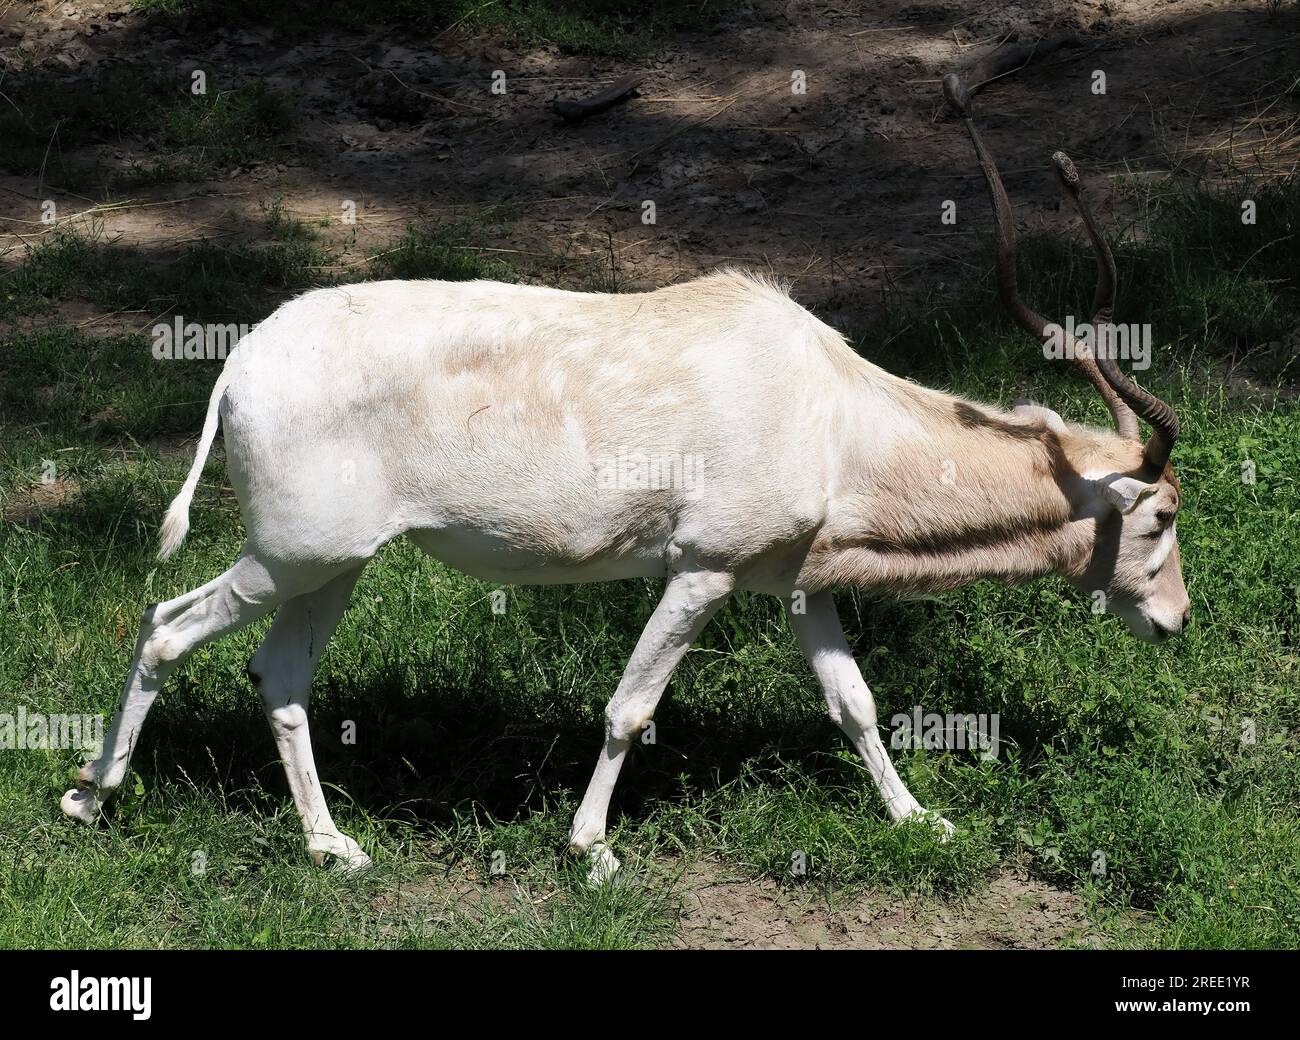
column 282, row 671
column 169, row 633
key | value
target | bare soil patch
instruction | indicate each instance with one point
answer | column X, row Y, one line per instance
column 723, row 909
column 838, row 189
column 41, row 498
column 1013, row 912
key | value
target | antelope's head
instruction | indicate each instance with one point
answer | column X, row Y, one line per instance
column 1125, row 489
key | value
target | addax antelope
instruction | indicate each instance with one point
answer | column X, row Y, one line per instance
column 713, row 433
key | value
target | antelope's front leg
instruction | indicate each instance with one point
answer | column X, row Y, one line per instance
column 690, row 599
column 850, row 702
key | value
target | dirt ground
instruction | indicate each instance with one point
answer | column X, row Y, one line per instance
column 1014, row 912
column 838, row 190
column 721, row 909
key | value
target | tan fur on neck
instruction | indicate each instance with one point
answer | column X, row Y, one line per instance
column 985, row 494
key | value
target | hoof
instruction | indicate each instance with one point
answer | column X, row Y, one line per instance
column 81, row 804
column 356, row 863
column 604, row 865
column 342, row 855
column 943, row 830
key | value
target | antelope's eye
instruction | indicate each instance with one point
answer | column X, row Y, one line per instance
column 1165, row 517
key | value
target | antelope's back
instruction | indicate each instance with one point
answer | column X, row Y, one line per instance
column 578, row 425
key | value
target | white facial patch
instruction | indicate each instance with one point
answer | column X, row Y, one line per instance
column 1163, row 548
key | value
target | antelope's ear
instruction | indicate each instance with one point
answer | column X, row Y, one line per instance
column 1030, row 410
column 1124, row 493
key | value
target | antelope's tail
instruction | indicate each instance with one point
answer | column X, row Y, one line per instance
column 177, row 521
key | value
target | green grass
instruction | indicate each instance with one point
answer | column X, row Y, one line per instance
column 437, row 253
column 207, row 280
column 188, row 136
column 476, row 732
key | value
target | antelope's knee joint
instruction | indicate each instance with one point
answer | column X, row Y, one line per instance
column 160, row 648
column 287, row 718
column 624, row 723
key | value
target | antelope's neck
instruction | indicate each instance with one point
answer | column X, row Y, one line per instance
column 974, row 495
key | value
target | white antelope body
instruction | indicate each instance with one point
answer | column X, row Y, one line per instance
column 712, row 433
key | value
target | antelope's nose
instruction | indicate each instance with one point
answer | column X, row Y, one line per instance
column 1163, row 632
